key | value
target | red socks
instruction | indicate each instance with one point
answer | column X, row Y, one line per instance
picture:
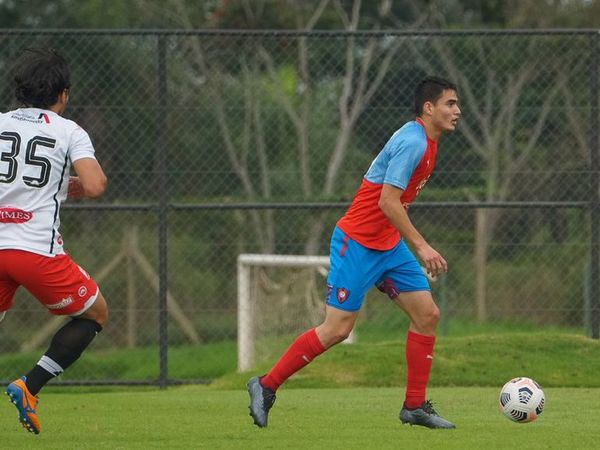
column 303, row 350
column 419, row 356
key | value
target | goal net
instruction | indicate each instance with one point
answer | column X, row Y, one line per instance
column 279, row 296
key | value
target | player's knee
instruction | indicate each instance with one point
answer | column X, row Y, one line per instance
column 341, row 337
column 102, row 310
column 330, row 336
column 98, row 312
column 102, row 317
column 341, row 334
column 428, row 320
column 435, row 316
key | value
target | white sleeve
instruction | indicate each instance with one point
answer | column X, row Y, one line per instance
column 80, row 145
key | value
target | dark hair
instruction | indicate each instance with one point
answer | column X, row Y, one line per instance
column 39, row 76
column 430, row 89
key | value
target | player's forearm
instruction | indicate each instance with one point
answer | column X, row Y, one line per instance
column 94, row 188
column 398, row 217
column 90, row 176
column 77, row 189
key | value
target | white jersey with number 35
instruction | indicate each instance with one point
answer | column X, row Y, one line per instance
column 37, row 148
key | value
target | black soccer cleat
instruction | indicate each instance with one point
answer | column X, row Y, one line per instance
column 424, row 415
column 261, row 401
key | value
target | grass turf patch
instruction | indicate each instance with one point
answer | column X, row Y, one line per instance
column 360, row 418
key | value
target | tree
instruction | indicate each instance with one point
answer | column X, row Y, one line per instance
column 508, row 89
column 264, row 70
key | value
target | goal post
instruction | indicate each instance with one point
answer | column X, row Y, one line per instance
column 247, row 306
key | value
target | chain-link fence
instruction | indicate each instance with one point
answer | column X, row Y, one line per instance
column 222, row 143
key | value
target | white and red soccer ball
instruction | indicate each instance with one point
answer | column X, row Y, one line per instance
column 522, row 400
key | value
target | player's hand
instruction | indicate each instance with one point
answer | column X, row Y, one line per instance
column 75, row 189
column 433, row 262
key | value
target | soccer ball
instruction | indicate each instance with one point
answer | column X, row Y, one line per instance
column 521, row 400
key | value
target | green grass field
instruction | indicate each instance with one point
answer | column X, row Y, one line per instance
column 348, row 398
column 198, row 417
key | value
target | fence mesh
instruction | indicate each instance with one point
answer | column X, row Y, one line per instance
column 197, row 131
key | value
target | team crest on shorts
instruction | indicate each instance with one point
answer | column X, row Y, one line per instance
column 342, row 294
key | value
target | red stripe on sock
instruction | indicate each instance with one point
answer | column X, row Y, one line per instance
column 302, row 351
column 419, row 356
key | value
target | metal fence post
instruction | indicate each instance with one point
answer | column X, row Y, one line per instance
column 595, row 189
column 163, row 205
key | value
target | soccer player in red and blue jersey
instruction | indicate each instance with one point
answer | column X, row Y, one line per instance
column 369, row 247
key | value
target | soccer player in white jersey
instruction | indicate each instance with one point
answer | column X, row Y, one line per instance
column 37, row 148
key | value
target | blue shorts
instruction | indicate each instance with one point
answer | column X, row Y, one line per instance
column 353, row 269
